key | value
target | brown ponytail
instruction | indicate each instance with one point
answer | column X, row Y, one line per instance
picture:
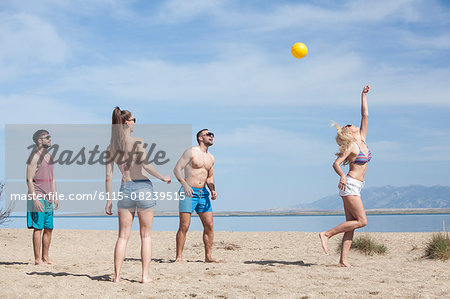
column 119, row 117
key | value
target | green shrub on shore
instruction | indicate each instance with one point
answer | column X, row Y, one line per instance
column 367, row 245
column 438, row 247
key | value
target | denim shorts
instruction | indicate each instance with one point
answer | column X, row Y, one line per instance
column 136, row 194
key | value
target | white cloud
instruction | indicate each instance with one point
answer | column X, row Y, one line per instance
column 28, row 43
column 412, row 85
column 237, row 72
column 236, row 13
column 413, row 152
column 244, row 79
column 33, row 109
column 425, row 43
column 261, row 145
column 253, row 79
column 179, row 11
column 287, row 15
column 266, row 145
column 46, row 8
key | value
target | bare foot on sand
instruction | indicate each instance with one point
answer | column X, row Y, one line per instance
column 344, row 264
column 39, row 263
column 146, row 279
column 179, row 260
column 47, row 261
column 211, row 260
column 116, row 279
column 324, row 241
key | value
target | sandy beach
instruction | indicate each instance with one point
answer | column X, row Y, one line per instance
column 256, row 264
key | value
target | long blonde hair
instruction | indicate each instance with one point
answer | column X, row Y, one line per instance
column 343, row 138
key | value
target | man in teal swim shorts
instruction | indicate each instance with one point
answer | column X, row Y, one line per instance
column 41, row 195
column 197, row 163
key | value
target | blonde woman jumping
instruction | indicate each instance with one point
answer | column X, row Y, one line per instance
column 353, row 150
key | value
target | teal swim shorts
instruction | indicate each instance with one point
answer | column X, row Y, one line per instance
column 41, row 220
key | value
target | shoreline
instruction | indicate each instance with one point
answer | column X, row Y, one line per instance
column 287, row 213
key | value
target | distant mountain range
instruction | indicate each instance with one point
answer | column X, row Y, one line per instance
column 389, row 197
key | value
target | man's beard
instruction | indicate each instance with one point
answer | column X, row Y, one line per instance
column 46, row 146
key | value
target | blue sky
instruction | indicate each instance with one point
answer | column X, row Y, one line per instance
column 226, row 66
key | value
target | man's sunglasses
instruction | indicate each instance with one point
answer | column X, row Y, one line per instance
column 209, row 134
column 133, row 119
column 46, row 137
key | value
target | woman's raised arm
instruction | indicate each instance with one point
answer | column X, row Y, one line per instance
column 364, row 112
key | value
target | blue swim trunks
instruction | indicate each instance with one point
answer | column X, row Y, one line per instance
column 199, row 201
column 40, row 220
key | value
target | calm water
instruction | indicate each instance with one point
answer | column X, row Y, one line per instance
column 376, row 223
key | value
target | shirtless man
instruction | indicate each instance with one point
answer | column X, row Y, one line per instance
column 42, row 190
column 197, row 163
